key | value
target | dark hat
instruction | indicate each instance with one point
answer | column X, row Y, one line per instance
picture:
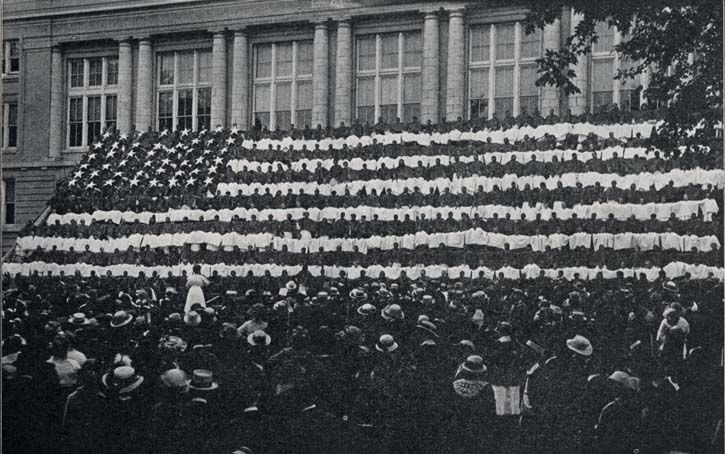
column 386, row 344
column 474, row 364
column 392, row 312
column 173, row 344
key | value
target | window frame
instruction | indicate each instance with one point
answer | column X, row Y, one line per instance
column 619, row 88
column 6, row 145
column 6, row 204
column 271, row 82
column 400, row 73
column 196, row 86
column 8, row 58
column 86, row 91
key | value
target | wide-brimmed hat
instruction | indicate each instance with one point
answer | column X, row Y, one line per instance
column 322, row 295
column 192, row 318
column 121, row 318
column 175, row 379
column 358, row 294
column 366, row 309
column 290, row 285
column 392, row 312
column 259, row 337
column 79, row 319
column 202, row 380
column 428, row 327
column 173, row 344
column 386, row 344
column 383, row 294
column 334, row 291
column 474, row 364
column 427, row 299
column 122, row 380
column 625, row 380
column 580, row 344
column 670, row 287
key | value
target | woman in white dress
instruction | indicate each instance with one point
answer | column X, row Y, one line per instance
column 194, row 283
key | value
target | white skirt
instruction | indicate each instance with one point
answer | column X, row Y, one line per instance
column 195, row 296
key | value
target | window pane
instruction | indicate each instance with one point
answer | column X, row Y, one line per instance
column 605, row 38
column 366, row 91
column 185, row 109
column 282, row 108
column 203, row 109
column 504, row 90
column 304, row 58
column 479, row 84
column 261, row 103
column 111, row 110
column 505, row 41
column 75, row 122
column 531, row 44
column 204, row 66
column 186, row 67
column 528, row 91
column 166, row 110
column 76, row 73
column 413, row 52
column 390, row 51
column 9, row 201
column 389, row 98
column 284, row 59
column 12, row 125
column 603, row 83
column 95, row 72
column 366, row 53
column 480, row 43
column 303, row 116
column 411, row 97
column 112, row 71
column 264, row 61
column 166, row 69
column 14, row 56
column 94, row 118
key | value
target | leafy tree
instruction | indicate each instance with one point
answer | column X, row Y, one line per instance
column 660, row 36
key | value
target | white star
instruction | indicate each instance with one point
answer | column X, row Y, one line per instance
column 209, row 142
column 199, row 160
column 97, row 145
column 234, row 131
column 139, row 173
column 224, row 150
column 72, row 182
column 208, row 181
column 157, row 146
column 159, row 171
column 77, row 175
column 173, row 165
column 106, row 166
column 134, row 182
column 179, row 173
column 117, row 174
column 218, row 160
column 172, row 182
column 148, row 163
column 154, row 183
column 115, row 145
column 108, row 183
column 211, row 170
column 91, row 157
column 91, row 185
column 122, row 163
column 151, row 153
column 207, row 151
column 131, row 154
column 164, row 133
column 110, row 153
column 195, row 141
column 165, row 162
column 218, row 129
column 94, row 174
column 203, row 131
column 230, row 141
column 184, row 163
column 191, row 181
column 84, row 166
column 194, row 172
column 136, row 145
column 185, row 132
column 106, row 135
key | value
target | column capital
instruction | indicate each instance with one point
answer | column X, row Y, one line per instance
column 430, row 14
column 241, row 32
column 56, row 48
column 218, row 32
column 456, row 12
column 144, row 39
column 345, row 21
column 322, row 25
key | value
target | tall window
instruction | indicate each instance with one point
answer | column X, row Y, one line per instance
column 10, row 125
column 11, row 60
column 500, row 57
column 184, row 90
column 603, row 69
column 388, row 77
column 8, row 194
column 283, row 85
column 629, row 89
column 92, row 98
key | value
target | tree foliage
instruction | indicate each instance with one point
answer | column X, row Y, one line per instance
column 660, row 36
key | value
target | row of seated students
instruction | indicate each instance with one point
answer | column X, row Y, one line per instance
column 473, row 256
column 354, row 226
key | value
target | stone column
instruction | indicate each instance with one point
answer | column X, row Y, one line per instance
column 55, row 144
column 219, row 80
column 144, row 86
column 343, row 74
column 240, row 81
column 549, row 93
column 578, row 102
column 320, row 75
column 124, row 114
column 431, row 63
column 455, row 93
column 516, row 85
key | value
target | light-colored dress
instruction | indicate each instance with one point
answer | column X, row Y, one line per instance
column 196, row 295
